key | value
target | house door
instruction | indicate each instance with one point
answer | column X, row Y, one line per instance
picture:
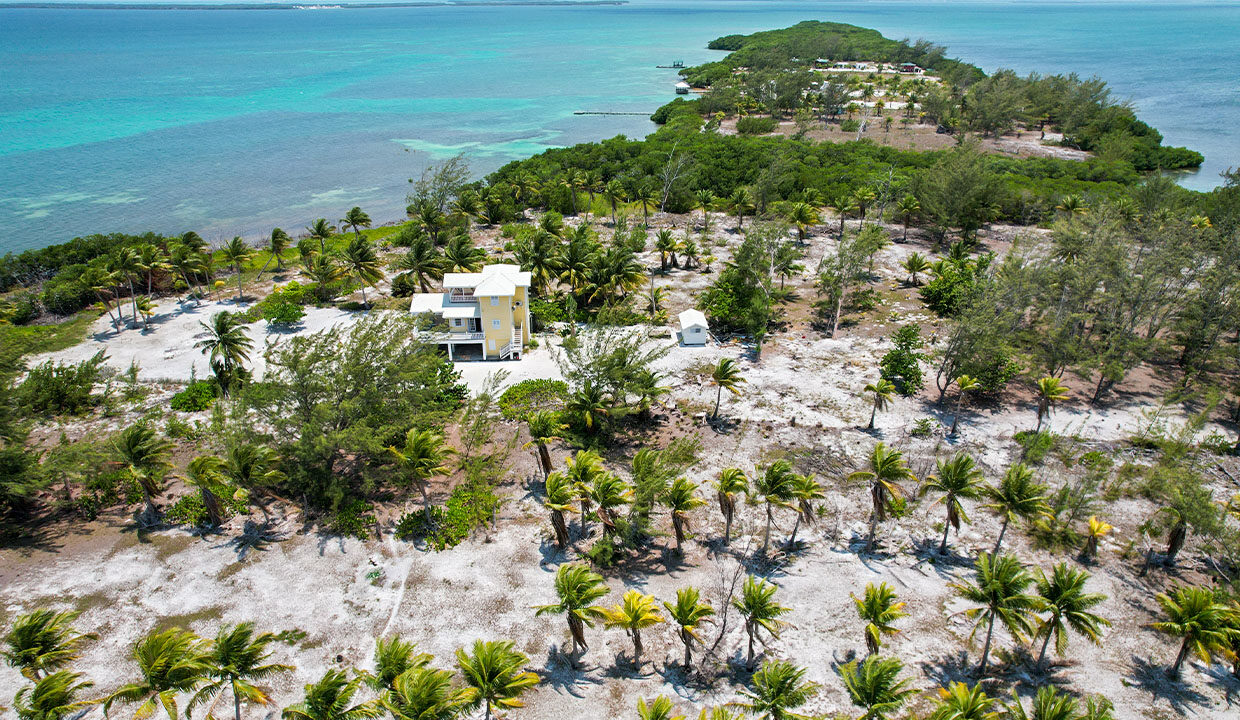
column 475, row 325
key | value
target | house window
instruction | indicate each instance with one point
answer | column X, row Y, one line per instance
column 456, row 322
column 495, row 324
column 492, row 344
column 494, row 301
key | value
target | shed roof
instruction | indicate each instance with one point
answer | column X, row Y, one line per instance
column 692, row 318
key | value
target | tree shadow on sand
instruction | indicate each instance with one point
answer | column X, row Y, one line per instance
column 1152, row 678
column 559, row 673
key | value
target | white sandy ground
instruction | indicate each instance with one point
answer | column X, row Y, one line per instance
column 801, row 397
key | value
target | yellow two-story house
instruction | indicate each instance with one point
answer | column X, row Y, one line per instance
column 488, row 310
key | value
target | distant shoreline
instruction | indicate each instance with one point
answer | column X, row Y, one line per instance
column 299, row 6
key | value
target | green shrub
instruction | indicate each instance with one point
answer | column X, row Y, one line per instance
column 53, row 388
column 283, row 313
column 528, row 396
column 755, row 125
column 850, row 125
column 901, row 365
column 404, row 285
column 1035, row 445
column 197, row 396
column 189, row 510
column 471, row 505
column 353, row 519
column 603, row 552
column 352, row 306
column 924, row 427
column 25, row 308
column 178, row 429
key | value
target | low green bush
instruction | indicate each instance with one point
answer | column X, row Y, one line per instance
column 353, row 518
column 471, row 505
column 55, row 389
column 283, row 313
column 529, row 396
column 197, row 396
column 755, row 125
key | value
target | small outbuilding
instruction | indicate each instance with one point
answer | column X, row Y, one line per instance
column 693, row 328
column 682, row 88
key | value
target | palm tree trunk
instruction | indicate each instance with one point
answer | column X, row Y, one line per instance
column 544, row 456
column 873, row 413
column 560, row 527
column 999, row 542
column 1045, row 642
column 637, row 648
column 727, row 527
column 1174, row 670
column 679, row 530
column 238, row 266
column 426, row 501
column 943, row 545
column 749, row 660
column 689, row 650
column 990, row 631
column 718, row 397
column 236, row 705
column 212, row 506
column 956, row 415
column 766, row 535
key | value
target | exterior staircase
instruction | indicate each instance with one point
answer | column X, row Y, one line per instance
column 513, row 348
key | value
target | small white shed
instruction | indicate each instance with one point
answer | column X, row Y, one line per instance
column 693, row 328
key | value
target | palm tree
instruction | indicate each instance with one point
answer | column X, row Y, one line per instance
column 321, row 230
column 145, row 457
column 875, row 685
column 964, row 384
column 1064, row 598
column 633, row 613
column 689, row 249
column 544, row 427
column 54, row 697
column 1017, row 497
column 539, row 254
column 42, row 642
column 461, row 255
column 590, row 404
column 883, row 390
column 493, row 669
column 236, row 659
column 681, row 498
column 227, row 347
column 757, row 605
column 206, row 472
column 914, row 265
column 726, row 375
column 803, row 216
column 357, row 220
column 331, row 699
column 278, row 245
column 360, row 262
column 883, row 477
column 613, row 192
column 1051, row 704
column 741, row 204
column 805, row 490
column 422, row 261
column 863, row 197
column 423, row 693
column 779, row 687
column 1094, row 532
column 1051, row 392
column 236, row 253
column 645, row 196
column 146, row 309
column 1000, row 594
column 394, row 657
column 688, row 613
column 721, row 712
column 659, row 709
column 879, row 609
column 704, row 200
column 126, row 266
column 101, row 283
column 424, row 455
column 171, row 662
column 731, row 482
column 608, row 492
column 907, row 208
column 955, row 479
column 665, row 243
column 577, row 588
column 1200, row 622
column 775, row 488
column 252, row 468
column 958, row 701
column 152, row 260
column 560, row 496
column 582, row 471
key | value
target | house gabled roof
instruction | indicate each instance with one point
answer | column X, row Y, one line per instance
column 494, row 280
column 693, row 318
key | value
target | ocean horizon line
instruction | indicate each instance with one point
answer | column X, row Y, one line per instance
column 300, row 6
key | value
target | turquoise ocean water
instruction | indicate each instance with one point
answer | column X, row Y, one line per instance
column 232, row 121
